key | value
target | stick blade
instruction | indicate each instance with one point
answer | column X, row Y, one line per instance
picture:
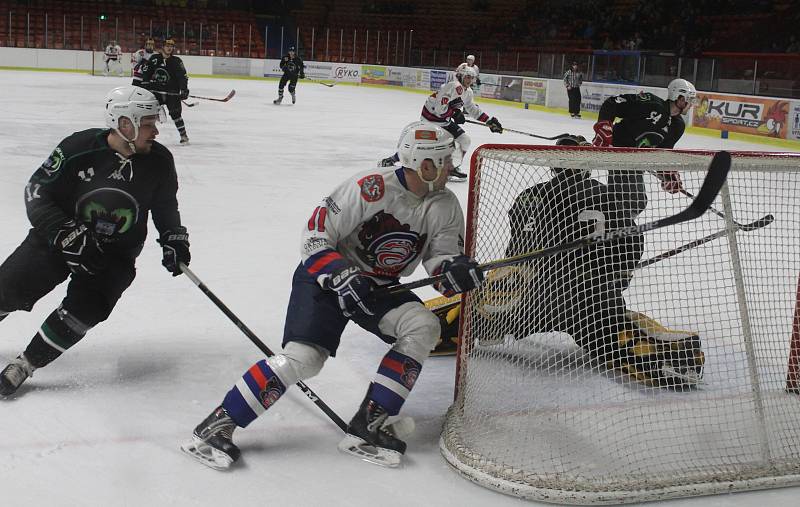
column 712, row 184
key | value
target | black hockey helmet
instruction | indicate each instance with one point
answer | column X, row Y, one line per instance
column 572, row 140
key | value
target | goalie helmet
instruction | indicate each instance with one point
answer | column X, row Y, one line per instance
column 572, row 140
column 130, row 102
column 422, row 141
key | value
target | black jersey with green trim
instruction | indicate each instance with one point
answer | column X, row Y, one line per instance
column 645, row 120
column 87, row 181
column 164, row 74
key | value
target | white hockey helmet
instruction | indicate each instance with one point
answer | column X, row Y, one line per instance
column 471, row 58
column 130, row 102
column 682, row 88
column 422, row 141
column 466, row 71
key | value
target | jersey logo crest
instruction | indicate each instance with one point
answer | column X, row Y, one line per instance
column 372, row 187
column 387, row 245
column 53, row 162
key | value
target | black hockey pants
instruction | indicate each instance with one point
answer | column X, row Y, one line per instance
column 291, row 79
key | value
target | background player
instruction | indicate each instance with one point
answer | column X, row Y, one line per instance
column 89, row 217
column 443, row 108
column 371, row 230
column 646, row 120
column 140, row 57
column 112, row 55
column 292, row 67
column 471, row 63
column 581, row 292
column 165, row 76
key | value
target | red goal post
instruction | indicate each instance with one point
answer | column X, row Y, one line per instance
column 535, row 418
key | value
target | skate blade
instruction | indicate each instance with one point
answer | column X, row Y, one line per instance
column 207, row 455
column 690, row 378
column 376, row 455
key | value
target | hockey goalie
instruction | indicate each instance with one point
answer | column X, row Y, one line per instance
column 113, row 59
column 580, row 292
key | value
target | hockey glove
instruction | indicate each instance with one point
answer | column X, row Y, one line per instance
column 79, row 248
column 462, row 274
column 478, row 81
column 494, row 125
column 670, row 181
column 175, row 247
column 184, row 94
column 302, row 76
column 352, row 289
column 604, row 133
column 458, row 117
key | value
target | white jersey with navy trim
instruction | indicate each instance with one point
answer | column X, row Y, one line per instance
column 372, row 221
column 451, row 96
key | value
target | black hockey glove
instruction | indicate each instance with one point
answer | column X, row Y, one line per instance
column 175, row 246
column 478, row 81
column 462, row 274
column 79, row 248
column 353, row 290
column 458, row 116
column 494, row 125
column 184, row 94
column 302, row 76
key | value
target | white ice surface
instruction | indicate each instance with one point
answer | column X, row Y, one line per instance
column 101, row 426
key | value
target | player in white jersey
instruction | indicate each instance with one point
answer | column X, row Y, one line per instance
column 471, row 64
column 141, row 57
column 112, row 55
column 372, row 229
column 444, row 109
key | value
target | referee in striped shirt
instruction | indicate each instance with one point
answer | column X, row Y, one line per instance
column 573, row 79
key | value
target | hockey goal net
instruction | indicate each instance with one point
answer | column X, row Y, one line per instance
column 540, row 417
column 121, row 67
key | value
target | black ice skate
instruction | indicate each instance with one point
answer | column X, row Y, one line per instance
column 294, row 98
column 211, row 442
column 387, row 162
column 369, row 439
column 457, row 175
column 14, row 375
column 278, row 100
column 184, row 139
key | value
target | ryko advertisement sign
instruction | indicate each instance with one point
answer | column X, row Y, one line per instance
column 748, row 115
column 346, row 72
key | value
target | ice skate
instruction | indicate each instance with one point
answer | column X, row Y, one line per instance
column 387, row 162
column 457, row 175
column 184, row 139
column 368, row 438
column 294, row 97
column 14, row 375
column 278, row 100
column 212, row 443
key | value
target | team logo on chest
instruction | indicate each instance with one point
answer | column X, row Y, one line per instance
column 388, row 245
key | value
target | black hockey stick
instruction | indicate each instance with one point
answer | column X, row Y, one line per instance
column 189, row 104
column 717, row 173
column 225, row 99
column 258, row 343
column 554, row 138
column 329, row 85
column 761, row 222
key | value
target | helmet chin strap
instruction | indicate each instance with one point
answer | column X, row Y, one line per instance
column 431, row 182
column 130, row 142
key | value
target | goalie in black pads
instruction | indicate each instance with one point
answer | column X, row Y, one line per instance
column 88, row 204
column 580, row 292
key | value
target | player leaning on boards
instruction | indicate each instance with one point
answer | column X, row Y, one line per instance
column 647, row 121
column 140, row 57
column 165, row 76
column 443, row 108
column 371, row 230
column 88, row 204
column 292, row 67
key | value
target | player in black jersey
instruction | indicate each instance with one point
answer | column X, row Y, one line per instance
column 580, row 292
column 292, row 67
column 88, row 204
column 647, row 121
column 165, row 76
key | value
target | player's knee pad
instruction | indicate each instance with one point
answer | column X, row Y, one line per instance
column 416, row 328
column 463, row 140
column 299, row 361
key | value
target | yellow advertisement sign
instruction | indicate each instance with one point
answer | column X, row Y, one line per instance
column 374, row 74
column 748, row 115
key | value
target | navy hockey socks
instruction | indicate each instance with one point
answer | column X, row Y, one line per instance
column 257, row 390
column 396, row 376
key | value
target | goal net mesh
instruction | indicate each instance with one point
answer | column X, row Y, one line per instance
column 550, row 402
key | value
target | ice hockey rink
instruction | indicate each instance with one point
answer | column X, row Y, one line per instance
column 101, row 426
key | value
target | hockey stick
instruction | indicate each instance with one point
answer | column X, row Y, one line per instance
column 761, row 222
column 226, row 99
column 710, row 208
column 258, row 343
column 189, row 104
column 329, row 85
column 554, row 138
column 717, row 173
